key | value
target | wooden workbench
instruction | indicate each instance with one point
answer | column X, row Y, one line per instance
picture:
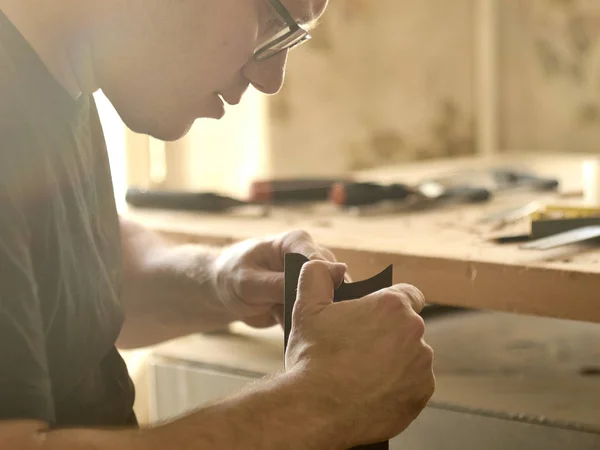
column 445, row 252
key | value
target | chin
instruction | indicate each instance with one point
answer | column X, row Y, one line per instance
column 162, row 131
column 169, row 135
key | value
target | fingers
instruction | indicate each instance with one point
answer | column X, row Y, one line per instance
column 328, row 254
column 267, row 288
column 267, row 320
column 278, row 314
column 263, row 321
column 317, row 282
column 300, row 241
column 404, row 294
column 410, row 293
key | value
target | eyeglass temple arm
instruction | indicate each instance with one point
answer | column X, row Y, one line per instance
column 284, row 13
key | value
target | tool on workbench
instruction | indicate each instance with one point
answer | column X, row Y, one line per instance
column 557, row 211
column 511, row 215
column 292, row 190
column 293, row 263
column 364, row 194
column 575, row 236
column 506, row 178
column 181, row 200
column 501, row 179
column 557, row 225
column 263, row 192
column 438, row 192
column 552, row 219
column 361, row 194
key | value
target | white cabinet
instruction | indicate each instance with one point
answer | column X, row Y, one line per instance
column 178, row 387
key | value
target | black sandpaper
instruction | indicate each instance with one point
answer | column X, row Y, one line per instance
column 347, row 291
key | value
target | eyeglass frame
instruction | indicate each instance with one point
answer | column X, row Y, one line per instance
column 294, row 27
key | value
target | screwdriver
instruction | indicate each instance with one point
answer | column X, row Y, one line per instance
column 180, row 200
column 507, row 178
column 363, row 194
column 291, row 190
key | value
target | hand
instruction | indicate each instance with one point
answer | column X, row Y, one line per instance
column 366, row 358
column 249, row 275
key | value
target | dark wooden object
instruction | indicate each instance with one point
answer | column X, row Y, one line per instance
column 347, row 291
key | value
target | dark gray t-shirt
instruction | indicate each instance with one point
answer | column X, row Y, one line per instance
column 60, row 253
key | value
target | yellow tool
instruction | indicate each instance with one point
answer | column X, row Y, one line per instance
column 557, row 225
column 562, row 212
column 549, row 223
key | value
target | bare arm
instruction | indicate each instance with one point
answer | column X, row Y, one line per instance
column 172, row 290
column 283, row 412
column 168, row 290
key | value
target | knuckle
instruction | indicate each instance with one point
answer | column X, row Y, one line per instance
column 300, row 241
column 429, row 355
column 427, row 359
column 428, row 376
column 417, row 325
column 291, row 237
column 417, row 405
column 427, row 390
column 413, row 295
column 314, row 266
column 245, row 281
column 432, row 386
column 299, row 234
column 328, row 254
column 260, row 245
column 316, row 256
column 246, row 246
column 392, row 300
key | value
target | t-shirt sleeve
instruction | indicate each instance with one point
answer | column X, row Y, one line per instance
column 25, row 387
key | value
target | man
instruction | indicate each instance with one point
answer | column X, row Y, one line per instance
column 356, row 372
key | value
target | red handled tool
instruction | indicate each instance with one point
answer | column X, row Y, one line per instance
column 364, row 194
column 291, row 190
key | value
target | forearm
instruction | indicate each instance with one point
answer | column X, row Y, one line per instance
column 168, row 290
column 284, row 412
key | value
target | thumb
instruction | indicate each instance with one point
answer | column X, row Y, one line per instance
column 317, row 281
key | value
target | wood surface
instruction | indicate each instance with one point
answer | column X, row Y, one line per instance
column 446, row 252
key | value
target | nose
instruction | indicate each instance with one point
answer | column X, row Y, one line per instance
column 267, row 76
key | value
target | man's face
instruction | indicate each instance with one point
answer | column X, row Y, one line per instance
column 165, row 63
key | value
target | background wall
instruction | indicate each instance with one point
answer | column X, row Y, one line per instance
column 390, row 81
column 550, row 89
column 380, row 82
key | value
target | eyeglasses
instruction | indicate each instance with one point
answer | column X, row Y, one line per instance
column 286, row 34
